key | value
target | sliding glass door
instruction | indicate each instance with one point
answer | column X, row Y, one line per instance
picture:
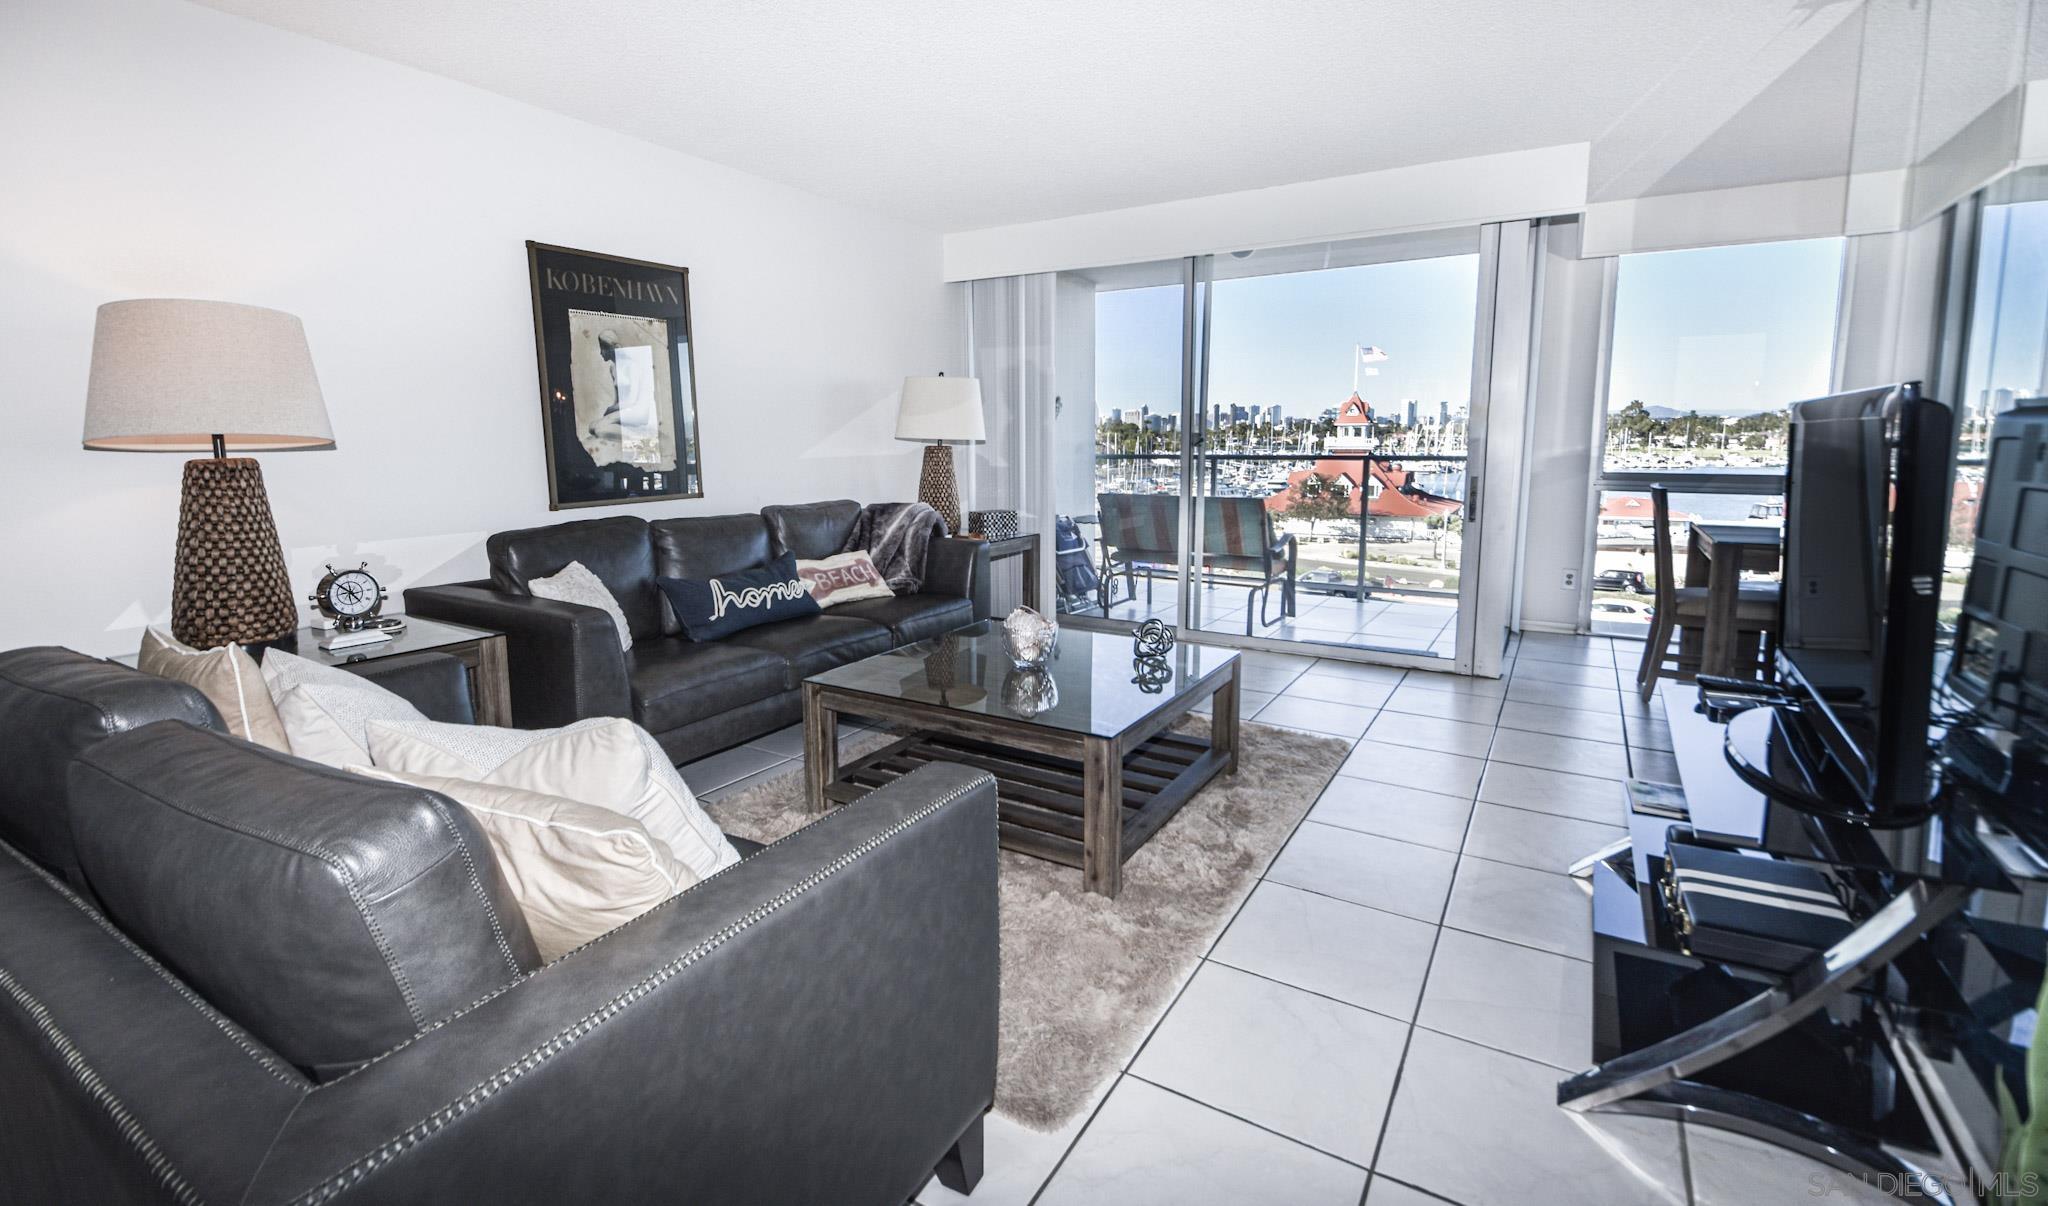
column 1335, row 409
column 1283, row 444
column 1707, row 349
column 2004, row 360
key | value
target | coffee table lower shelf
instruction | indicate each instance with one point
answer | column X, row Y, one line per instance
column 1042, row 798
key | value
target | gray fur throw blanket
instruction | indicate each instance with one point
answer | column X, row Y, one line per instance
column 896, row 536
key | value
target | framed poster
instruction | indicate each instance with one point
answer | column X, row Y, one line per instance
column 618, row 387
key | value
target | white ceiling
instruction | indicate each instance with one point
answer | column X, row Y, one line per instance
column 958, row 115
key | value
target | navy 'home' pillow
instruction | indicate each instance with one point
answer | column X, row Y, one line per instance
column 711, row 608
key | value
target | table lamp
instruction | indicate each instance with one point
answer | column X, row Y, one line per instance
column 938, row 409
column 175, row 375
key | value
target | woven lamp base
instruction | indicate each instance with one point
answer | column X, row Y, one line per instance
column 229, row 584
column 938, row 488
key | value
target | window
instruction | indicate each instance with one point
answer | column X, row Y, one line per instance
column 2006, row 356
column 1709, row 348
column 1331, row 402
column 1711, row 345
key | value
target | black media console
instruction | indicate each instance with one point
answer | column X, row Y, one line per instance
column 1880, row 1055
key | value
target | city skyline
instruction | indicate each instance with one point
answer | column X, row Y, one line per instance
column 1724, row 331
column 1411, row 412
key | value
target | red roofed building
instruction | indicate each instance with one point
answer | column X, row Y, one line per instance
column 1354, row 426
column 1632, row 506
column 1389, row 491
column 1629, row 521
column 1635, row 508
column 1355, row 412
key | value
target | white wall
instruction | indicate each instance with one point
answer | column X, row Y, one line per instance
column 154, row 148
column 1430, row 196
column 1890, row 308
column 1757, row 213
column 1073, row 428
column 1561, row 402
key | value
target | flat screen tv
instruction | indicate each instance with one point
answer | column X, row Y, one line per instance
column 1866, row 510
column 2000, row 664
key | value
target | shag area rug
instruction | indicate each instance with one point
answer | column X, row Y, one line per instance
column 1084, row 977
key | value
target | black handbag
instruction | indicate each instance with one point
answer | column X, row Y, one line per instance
column 1760, row 912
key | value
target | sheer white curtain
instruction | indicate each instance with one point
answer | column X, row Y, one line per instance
column 1010, row 348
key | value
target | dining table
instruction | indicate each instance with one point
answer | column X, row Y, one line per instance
column 1716, row 556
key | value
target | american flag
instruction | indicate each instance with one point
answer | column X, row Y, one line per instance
column 1368, row 357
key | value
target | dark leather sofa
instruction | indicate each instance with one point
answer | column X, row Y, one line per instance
column 229, row 975
column 696, row 698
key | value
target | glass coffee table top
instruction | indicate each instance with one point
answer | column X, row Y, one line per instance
column 420, row 635
column 1087, row 687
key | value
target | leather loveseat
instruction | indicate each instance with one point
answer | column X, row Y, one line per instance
column 230, row 975
column 695, row 697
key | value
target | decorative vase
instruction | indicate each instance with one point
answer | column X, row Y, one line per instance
column 1029, row 638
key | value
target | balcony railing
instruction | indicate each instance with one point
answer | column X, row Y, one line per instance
column 1394, row 553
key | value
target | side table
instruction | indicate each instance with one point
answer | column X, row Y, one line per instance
column 480, row 649
column 1026, row 547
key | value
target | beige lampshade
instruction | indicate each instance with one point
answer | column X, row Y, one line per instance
column 940, row 408
column 168, row 374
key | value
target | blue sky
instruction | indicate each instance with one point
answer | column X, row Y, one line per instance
column 1289, row 338
column 1733, row 329
column 2012, row 297
column 1728, row 329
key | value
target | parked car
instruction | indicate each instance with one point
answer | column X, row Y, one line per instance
column 1340, row 585
column 1616, row 609
column 1629, row 580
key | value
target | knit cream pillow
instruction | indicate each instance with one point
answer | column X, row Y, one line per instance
column 576, row 870
column 325, row 722
column 574, row 583
column 226, row 676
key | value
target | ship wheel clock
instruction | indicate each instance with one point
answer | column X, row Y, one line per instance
column 350, row 598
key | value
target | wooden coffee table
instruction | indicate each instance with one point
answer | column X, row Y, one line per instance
column 1086, row 769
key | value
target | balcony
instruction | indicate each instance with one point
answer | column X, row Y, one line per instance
column 1378, row 545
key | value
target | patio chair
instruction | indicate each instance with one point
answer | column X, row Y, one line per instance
column 1239, row 548
column 1682, row 610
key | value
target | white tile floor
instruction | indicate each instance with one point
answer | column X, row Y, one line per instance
column 1386, row 1018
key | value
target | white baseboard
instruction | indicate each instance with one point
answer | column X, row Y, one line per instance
column 1549, row 626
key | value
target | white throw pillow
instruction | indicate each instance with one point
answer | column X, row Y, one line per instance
column 576, row 870
column 282, row 671
column 574, row 583
column 325, row 722
column 606, row 761
column 226, row 676
column 843, row 578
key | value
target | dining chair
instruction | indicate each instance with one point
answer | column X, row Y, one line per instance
column 1682, row 611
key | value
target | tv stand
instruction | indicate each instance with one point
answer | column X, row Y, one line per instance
column 1854, row 1057
column 1657, row 1080
column 1764, row 746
